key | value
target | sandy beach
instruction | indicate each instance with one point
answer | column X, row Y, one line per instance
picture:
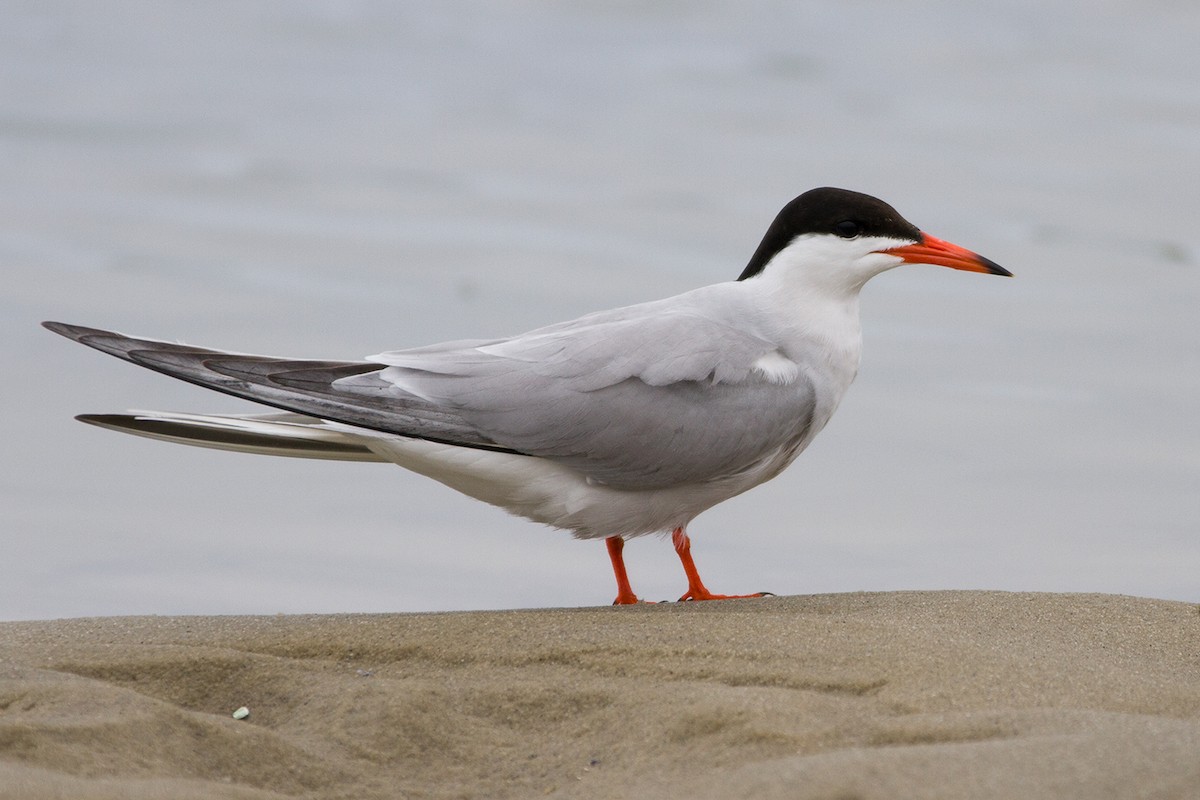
column 924, row 695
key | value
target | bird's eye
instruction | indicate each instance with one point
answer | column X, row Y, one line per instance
column 847, row 229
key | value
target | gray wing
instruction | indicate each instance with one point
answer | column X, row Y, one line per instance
column 644, row 397
column 597, row 351
column 344, row 391
column 632, row 435
column 631, row 398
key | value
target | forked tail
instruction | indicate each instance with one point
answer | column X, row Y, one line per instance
column 282, row 434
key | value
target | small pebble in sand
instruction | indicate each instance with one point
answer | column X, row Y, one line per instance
column 241, row 713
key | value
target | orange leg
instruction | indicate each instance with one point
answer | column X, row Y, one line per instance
column 696, row 589
column 625, row 595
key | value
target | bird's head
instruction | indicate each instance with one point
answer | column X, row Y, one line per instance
column 840, row 239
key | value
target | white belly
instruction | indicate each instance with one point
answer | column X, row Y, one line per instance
column 549, row 493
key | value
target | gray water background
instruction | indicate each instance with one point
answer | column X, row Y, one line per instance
column 331, row 179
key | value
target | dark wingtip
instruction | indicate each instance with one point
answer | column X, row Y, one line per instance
column 103, row 420
column 75, row 332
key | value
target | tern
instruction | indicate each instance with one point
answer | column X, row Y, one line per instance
column 614, row 425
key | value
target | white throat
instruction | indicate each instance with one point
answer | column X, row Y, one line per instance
column 809, row 293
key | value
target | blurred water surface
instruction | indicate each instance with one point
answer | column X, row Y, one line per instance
column 332, row 179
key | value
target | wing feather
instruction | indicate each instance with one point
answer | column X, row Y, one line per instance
column 344, row 391
column 643, row 397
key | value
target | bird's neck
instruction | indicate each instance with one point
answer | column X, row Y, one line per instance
column 815, row 325
column 820, row 312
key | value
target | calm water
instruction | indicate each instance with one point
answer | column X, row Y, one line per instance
column 334, row 179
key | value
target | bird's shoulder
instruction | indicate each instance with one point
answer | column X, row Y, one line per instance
column 710, row 334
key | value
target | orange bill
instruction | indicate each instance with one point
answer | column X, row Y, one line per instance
column 931, row 250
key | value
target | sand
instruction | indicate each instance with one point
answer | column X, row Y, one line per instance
column 921, row 695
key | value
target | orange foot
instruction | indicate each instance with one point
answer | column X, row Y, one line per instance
column 627, row 599
column 632, row 600
column 683, row 546
column 696, row 589
column 700, row 593
column 625, row 595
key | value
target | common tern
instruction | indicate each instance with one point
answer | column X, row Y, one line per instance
column 613, row 425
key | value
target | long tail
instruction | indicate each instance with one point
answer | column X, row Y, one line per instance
column 350, row 392
column 294, row 435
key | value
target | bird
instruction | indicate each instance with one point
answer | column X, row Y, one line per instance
column 614, row 425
